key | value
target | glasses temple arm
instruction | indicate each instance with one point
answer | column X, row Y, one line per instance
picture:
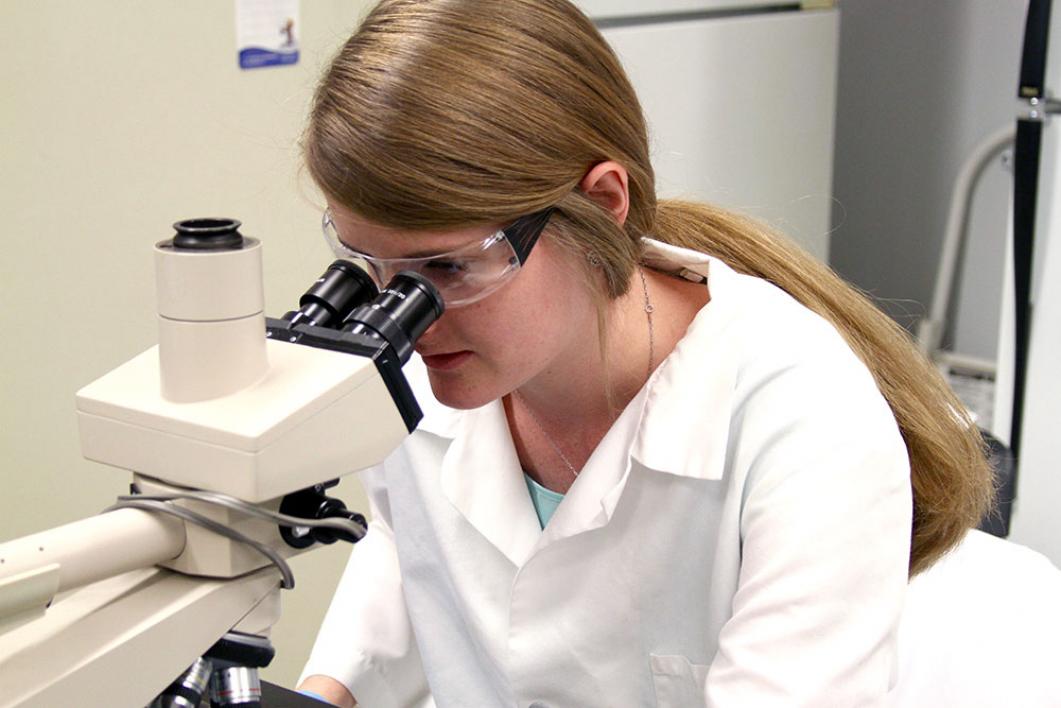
column 524, row 232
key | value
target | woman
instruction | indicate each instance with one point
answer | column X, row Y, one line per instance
column 750, row 457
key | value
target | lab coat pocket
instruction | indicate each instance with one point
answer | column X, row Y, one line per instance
column 678, row 682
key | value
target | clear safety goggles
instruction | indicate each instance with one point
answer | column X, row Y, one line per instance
column 463, row 275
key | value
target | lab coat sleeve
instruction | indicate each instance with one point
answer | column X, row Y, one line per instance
column 366, row 640
column 825, row 529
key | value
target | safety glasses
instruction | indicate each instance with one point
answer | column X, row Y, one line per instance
column 464, row 275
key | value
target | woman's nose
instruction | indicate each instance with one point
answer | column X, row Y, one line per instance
column 432, row 331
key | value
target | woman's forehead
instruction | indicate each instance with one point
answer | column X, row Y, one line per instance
column 383, row 241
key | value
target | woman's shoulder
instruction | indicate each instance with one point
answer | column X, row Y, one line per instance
column 775, row 326
column 791, row 361
column 772, row 347
column 765, row 328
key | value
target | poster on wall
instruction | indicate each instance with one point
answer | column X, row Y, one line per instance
column 267, row 32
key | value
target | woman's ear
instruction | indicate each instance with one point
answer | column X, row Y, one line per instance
column 608, row 184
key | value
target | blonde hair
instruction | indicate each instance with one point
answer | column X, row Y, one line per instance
column 446, row 113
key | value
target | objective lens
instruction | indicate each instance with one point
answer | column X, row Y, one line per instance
column 400, row 314
column 336, row 293
column 188, row 688
column 236, row 686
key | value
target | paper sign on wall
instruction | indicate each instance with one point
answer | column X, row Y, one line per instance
column 267, row 32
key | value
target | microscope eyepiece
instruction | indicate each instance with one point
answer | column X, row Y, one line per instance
column 333, row 297
column 208, row 234
column 402, row 312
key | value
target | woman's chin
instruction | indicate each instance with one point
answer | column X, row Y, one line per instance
column 452, row 392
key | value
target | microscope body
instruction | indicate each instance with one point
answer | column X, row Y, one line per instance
column 314, row 416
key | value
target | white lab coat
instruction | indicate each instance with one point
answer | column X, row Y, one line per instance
column 739, row 538
column 982, row 629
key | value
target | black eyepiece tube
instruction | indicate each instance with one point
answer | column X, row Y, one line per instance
column 336, row 293
column 211, row 234
column 400, row 314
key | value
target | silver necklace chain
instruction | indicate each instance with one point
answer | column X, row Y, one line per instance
column 545, row 435
column 649, row 309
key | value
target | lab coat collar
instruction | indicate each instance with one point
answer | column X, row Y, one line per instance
column 480, row 474
column 482, row 478
column 684, row 429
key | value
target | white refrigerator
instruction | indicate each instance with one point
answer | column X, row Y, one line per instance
column 740, row 98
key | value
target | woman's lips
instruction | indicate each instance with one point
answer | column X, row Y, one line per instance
column 445, row 362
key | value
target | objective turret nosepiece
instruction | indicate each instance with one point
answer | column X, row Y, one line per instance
column 210, row 310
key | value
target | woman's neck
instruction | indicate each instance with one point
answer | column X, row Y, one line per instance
column 571, row 404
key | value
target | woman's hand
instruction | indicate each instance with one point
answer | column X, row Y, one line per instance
column 329, row 689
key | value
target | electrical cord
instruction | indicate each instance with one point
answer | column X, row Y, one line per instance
column 190, row 516
column 162, row 503
column 346, row 525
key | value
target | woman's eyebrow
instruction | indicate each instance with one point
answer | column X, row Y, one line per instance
column 410, row 256
column 366, row 254
column 431, row 253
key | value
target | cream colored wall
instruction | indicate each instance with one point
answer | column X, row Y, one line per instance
column 119, row 117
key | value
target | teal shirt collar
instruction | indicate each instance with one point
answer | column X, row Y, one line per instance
column 545, row 500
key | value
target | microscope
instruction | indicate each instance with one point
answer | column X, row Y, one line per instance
column 234, row 427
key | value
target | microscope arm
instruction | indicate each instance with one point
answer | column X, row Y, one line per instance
column 80, row 604
column 117, row 641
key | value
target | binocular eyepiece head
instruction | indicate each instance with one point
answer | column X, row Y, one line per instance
column 345, row 298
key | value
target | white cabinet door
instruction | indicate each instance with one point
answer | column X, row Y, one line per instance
column 741, row 111
column 599, row 9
